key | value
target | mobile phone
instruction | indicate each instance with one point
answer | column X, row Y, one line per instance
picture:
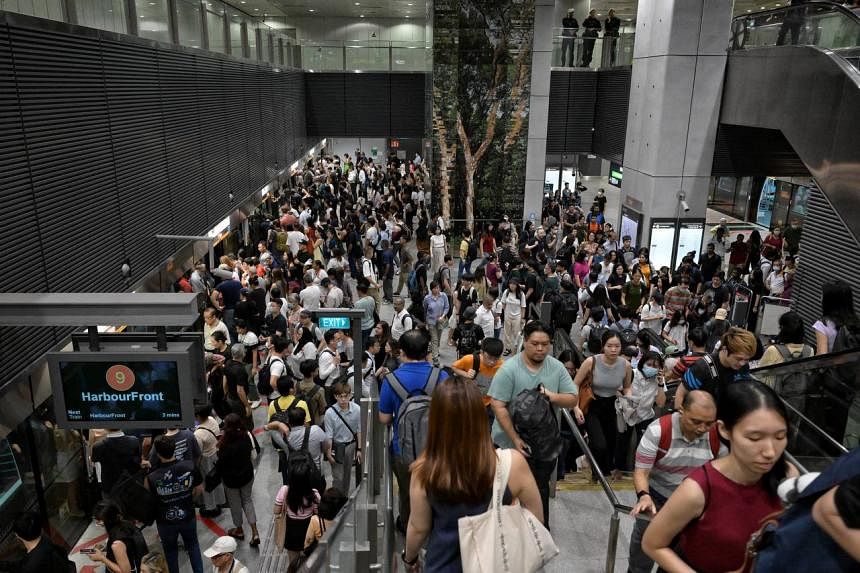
column 88, row 550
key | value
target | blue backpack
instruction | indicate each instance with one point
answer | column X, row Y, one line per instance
column 412, row 281
column 797, row 543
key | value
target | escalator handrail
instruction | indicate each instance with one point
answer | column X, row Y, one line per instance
column 831, row 359
column 832, row 7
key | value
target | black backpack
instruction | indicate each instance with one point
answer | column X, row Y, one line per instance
column 280, row 415
column 535, row 422
column 595, row 339
column 568, row 310
column 468, row 341
column 300, row 462
column 472, row 252
column 306, row 397
column 264, row 377
column 628, row 337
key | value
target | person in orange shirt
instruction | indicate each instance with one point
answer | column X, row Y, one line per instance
column 489, row 360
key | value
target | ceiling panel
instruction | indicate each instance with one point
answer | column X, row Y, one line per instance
column 354, row 9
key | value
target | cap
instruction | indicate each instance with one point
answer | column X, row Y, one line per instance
column 722, row 219
column 570, row 10
column 721, row 314
column 223, row 544
column 470, row 313
column 244, row 291
column 506, row 218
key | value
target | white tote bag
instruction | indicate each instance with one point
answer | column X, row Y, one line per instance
column 506, row 538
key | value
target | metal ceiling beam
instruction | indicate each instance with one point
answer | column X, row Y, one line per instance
column 86, row 309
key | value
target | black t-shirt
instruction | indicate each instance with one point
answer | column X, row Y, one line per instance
column 187, row 448
column 116, row 453
column 277, row 324
column 174, row 485
column 721, row 294
column 46, row 558
column 236, row 376
column 468, row 298
column 230, row 292
column 699, row 376
column 847, row 500
column 709, row 266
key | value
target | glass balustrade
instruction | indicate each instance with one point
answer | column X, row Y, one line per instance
column 580, row 51
column 366, row 56
column 822, row 24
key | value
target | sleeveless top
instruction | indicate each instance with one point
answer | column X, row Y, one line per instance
column 608, row 379
column 716, row 541
column 443, row 547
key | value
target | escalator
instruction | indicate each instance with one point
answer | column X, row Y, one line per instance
column 792, row 77
column 823, row 402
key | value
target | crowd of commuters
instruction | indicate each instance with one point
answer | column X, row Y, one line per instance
column 350, row 233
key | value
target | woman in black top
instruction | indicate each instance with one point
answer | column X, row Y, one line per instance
column 237, row 473
column 121, row 553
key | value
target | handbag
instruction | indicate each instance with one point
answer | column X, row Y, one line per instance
column 339, row 449
column 505, row 538
column 212, row 479
column 280, row 529
column 586, row 389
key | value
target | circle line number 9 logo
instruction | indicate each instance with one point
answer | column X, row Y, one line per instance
column 120, row 377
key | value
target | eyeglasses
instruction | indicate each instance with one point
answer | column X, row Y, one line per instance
column 347, row 395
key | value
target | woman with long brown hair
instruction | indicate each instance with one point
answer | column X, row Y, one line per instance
column 454, row 476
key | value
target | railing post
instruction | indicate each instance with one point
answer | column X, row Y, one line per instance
column 614, row 524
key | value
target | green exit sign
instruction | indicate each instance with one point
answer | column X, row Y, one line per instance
column 334, row 322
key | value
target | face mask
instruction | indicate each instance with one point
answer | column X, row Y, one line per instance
column 649, row 371
column 701, row 311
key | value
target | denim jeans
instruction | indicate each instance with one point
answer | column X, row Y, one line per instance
column 169, row 534
column 638, row 561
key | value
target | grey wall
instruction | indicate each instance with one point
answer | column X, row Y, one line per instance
column 373, row 104
column 107, row 140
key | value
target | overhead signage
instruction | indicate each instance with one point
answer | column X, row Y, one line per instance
column 110, row 390
column 394, row 143
column 334, row 322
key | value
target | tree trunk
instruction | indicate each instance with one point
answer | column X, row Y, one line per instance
column 470, row 196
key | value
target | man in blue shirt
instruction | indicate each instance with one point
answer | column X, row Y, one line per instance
column 436, row 311
column 413, row 374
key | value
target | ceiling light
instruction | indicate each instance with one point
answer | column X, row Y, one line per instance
column 407, row 17
column 311, row 10
column 763, row 7
column 358, row 3
column 243, row 2
column 152, row 3
column 361, row 15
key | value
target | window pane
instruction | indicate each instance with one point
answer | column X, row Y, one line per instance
column 236, row 36
column 215, row 29
column 188, row 21
column 252, row 39
column 102, row 14
column 152, row 21
column 50, row 9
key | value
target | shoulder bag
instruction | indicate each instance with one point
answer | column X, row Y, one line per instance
column 506, row 538
column 586, row 389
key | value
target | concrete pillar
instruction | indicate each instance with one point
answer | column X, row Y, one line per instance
column 675, row 93
column 548, row 15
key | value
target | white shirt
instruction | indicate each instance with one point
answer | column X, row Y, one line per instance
column 397, row 326
column 514, row 304
column 294, row 239
column 485, row 319
column 437, row 241
column 334, row 298
column 237, row 568
column 209, row 330
column 368, row 271
column 371, row 236
column 329, row 371
column 310, row 297
column 339, row 264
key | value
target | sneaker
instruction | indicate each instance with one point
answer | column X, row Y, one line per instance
column 255, row 404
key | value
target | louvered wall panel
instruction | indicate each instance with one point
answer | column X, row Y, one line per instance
column 326, row 104
column 287, row 115
column 299, row 103
column 813, row 269
column 64, row 110
column 19, row 234
column 235, row 120
column 559, row 92
column 258, row 139
column 368, row 104
column 131, row 78
column 610, row 121
column 582, row 100
column 271, row 131
column 407, row 104
column 183, row 142
column 214, row 134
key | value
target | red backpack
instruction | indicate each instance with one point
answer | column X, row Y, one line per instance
column 666, row 439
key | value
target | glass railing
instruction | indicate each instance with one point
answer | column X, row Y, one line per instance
column 362, row 535
column 821, row 393
column 367, row 56
column 580, row 51
column 822, row 24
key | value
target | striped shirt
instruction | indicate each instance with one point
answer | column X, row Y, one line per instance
column 682, row 457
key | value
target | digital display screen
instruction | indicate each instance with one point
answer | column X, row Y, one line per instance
column 113, row 392
column 616, row 173
column 689, row 239
column 662, row 241
column 334, row 322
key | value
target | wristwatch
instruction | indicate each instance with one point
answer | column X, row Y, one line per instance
column 403, row 558
column 641, row 493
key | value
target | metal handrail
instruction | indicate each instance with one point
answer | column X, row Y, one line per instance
column 815, row 427
column 830, row 7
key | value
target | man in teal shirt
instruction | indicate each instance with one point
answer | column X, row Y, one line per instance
column 366, row 303
column 533, row 366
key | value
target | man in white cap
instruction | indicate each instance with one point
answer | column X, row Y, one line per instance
column 221, row 554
